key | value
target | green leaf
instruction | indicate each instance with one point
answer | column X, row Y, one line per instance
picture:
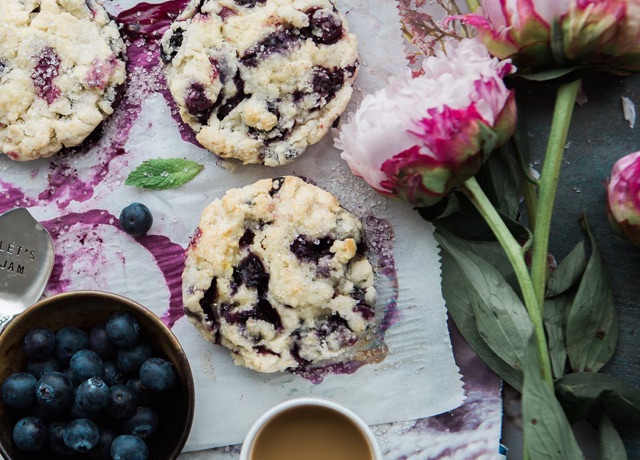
column 611, row 446
column 592, row 328
column 458, row 293
column 498, row 178
column 163, row 173
column 568, row 272
column 547, row 433
column 501, row 318
column 580, row 391
column 555, row 315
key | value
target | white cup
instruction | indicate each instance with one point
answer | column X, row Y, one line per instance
column 275, row 411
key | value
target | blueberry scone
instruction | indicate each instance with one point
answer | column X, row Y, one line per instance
column 260, row 80
column 277, row 274
column 61, row 63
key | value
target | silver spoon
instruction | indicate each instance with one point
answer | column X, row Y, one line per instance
column 26, row 261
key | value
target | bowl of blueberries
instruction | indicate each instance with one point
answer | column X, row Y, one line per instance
column 91, row 374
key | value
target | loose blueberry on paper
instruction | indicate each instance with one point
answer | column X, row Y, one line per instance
column 72, row 403
column 136, row 219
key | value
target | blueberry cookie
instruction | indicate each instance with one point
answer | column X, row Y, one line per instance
column 260, row 80
column 60, row 66
column 277, row 273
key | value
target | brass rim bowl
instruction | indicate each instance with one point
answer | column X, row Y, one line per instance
column 85, row 309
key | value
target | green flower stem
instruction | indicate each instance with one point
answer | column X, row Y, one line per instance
column 548, row 184
column 528, row 191
column 473, row 5
column 515, row 254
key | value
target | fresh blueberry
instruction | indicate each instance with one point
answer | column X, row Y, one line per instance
column 122, row 402
column 130, row 360
column 157, row 374
column 144, row 395
column 100, row 343
column 85, row 364
column 30, row 434
column 93, row 394
column 56, row 439
column 54, row 391
column 123, row 330
column 81, row 435
column 136, row 219
column 69, row 340
column 144, row 423
column 102, row 450
column 127, row 447
column 111, row 374
column 39, row 344
column 39, row 368
column 19, row 390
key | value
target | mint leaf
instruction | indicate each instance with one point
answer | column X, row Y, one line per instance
column 163, row 173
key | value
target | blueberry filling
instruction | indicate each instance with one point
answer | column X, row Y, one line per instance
column 249, row 3
column 326, row 83
column 295, row 352
column 46, row 69
column 338, row 326
column 263, row 311
column 280, row 41
column 261, row 349
column 311, row 250
column 251, row 273
column 225, row 12
column 276, row 185
column 169, row 51
column 3, row 66
column 247, row 239
column 361, row 306
column 325, row 28
column 229, row 104
column 208, row 299
column 197, row 102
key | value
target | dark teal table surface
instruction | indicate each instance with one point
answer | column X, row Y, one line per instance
column 599, row 135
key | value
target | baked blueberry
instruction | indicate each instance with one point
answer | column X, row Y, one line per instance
column 85, row 364
column 128, row 447
column 47, row 68
column 30, row 434
column 93, row 394
column 123, row 330
column 122, row 402
column 143, row 423
column 54, row 391
column 81, row 435
column 70, row 339
column 39, row 344
column 136, row 219
column 157, row 374
column 19, row 390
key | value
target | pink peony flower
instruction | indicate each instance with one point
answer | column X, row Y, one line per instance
column 623, row 195
column 420, row 138
column 546, row 33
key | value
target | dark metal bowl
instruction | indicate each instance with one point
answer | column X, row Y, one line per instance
column 85, row 309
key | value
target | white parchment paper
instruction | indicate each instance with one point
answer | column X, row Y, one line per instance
column 418, row 378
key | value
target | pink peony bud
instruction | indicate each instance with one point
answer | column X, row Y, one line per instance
column 623, row 195
column 603, row 32
column 518, row 29
column 420, row 138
